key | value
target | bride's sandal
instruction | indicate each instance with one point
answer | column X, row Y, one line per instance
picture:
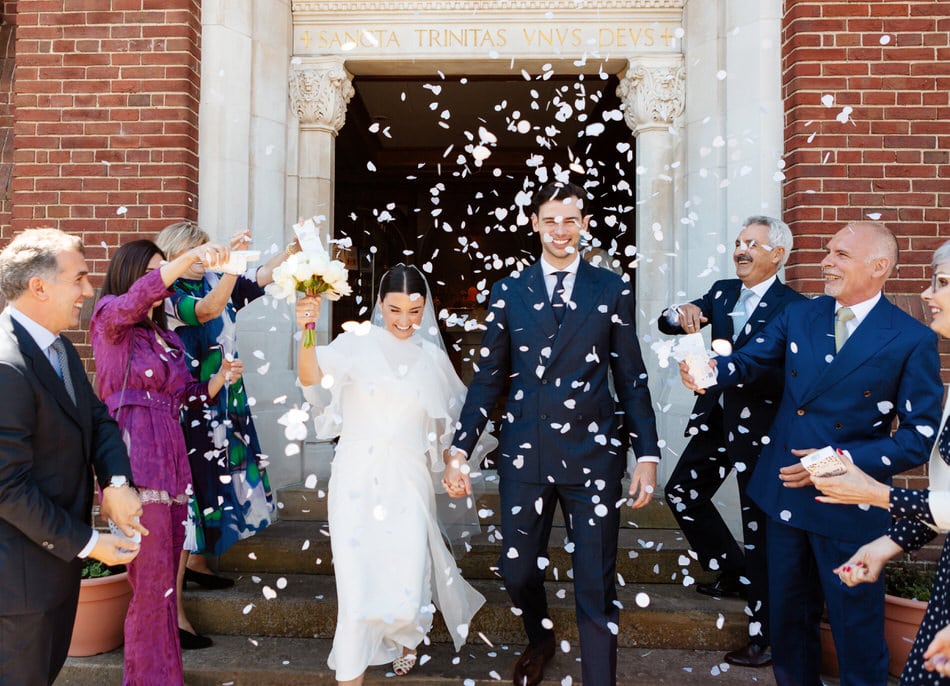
column 403, row 665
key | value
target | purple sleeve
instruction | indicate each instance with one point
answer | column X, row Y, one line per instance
column 117, row 314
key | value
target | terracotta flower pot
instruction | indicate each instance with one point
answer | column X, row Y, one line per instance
column 100, row 617
column 902, row 619
column 829, row 656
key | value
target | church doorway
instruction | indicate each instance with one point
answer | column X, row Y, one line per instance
column 437, row 172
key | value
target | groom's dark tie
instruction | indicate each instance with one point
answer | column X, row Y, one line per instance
column 557, row 298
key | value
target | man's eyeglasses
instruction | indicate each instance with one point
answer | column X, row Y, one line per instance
column 939, row 280
column 752, row 245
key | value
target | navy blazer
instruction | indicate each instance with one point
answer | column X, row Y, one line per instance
column 48, row 449
column 747, row 410
column 888, row 368
column 561, row 423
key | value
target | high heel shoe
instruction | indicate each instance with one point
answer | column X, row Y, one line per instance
column 210, row 581
column 190, row 641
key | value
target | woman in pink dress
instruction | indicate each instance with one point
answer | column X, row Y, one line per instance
column 142, row 377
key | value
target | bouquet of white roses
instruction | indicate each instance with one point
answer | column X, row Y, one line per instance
column 310, row 271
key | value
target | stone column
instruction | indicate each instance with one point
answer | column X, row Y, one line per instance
column 320, row 89
column 653, row 95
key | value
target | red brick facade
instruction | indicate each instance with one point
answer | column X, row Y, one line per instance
column 890, row 63
column 106, row 132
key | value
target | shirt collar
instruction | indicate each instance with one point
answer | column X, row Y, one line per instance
column 39, row 333
column 547, row 269
column 861, row 309
column 760, row 288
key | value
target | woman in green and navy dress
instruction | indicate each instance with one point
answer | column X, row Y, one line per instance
column 232, row 498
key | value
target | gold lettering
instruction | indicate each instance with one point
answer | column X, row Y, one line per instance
column 650, row 37
column 529, row 36
column 576, row 37
column 605, row 38
column 667, row 36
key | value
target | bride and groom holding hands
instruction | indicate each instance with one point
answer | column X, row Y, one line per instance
column 552, row 332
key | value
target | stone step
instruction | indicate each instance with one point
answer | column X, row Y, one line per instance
column 241, row 661
column 304, row 606
column 300, row 503
column 303, row 547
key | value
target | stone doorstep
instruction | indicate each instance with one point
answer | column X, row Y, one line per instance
column 241, row 661
column 675, row 617
column 644, row 555
column 301, row 503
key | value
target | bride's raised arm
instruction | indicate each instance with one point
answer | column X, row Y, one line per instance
column 308, row 369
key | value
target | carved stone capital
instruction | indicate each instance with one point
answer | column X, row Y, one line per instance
column 653, row 92
column 319, row 93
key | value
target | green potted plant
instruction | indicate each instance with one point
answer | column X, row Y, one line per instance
column 907, row 587
column 104, row 596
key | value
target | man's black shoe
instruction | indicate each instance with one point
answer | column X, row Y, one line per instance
column 725, row 586
column 751, row 656
column 529, row 670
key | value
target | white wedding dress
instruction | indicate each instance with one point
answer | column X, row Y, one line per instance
column 394, row 404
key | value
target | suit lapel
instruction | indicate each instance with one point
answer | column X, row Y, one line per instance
column 534, row 295
column 872, row 334
column 41, row 367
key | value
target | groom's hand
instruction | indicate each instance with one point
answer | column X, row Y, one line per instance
column 643, row 484
column 455, row 480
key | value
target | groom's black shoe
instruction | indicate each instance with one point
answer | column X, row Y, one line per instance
column 529, row 669
column 725, row 586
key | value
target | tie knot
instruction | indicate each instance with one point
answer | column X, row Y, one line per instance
column 845, row 314
column 560, row 278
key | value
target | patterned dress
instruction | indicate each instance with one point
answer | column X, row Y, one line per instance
column 918, row 515
column 232, row 494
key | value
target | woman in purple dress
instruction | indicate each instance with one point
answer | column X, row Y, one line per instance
column 144, row 380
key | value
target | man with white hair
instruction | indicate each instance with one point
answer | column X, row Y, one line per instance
column 726, row 429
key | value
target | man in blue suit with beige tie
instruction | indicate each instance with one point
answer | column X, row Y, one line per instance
column 853, row 363
column 552, row 332
column 726, row 428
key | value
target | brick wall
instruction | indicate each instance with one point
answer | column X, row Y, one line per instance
column 889, row 62
column 867, row 101
column 106, row 134
column 7, row 42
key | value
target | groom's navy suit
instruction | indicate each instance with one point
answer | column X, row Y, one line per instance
column 726, row 431
column 561, row 440
column 887, row 368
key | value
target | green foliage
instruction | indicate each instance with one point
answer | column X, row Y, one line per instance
column 93, row 569
column 907, row 580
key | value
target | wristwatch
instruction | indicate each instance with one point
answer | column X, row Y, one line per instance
column 118, row 481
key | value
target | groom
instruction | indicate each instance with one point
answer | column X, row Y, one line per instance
column 553, row 332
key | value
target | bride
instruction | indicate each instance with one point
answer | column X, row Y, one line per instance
column 391, row 394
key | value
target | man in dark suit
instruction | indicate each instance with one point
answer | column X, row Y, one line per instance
column 553, row 331
column 726, row 428
column 853, row 362
column 54, row 433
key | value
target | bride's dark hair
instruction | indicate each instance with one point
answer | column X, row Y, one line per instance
column 402, row 279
